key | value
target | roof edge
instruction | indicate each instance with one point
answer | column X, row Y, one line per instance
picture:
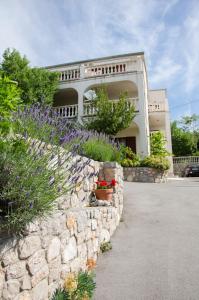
column 94, row 59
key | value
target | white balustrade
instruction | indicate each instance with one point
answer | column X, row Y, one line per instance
column 105, row 70
column 66, row 75
column 186, row 159
column 155, row 107
column 89, row 109
column 67, row 111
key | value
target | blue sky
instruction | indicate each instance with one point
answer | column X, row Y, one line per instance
column 57, row 31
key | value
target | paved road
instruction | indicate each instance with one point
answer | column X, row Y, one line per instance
column 155, row 252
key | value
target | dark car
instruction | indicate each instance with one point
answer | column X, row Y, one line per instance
column 192, row 171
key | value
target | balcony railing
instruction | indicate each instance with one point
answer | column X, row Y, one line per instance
column 69, row 75
column 67, row 111
column 95, row 70
column 106, row 69
column 71, row 111
column 156, row 107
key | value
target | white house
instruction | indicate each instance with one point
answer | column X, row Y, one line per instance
column 120, row 73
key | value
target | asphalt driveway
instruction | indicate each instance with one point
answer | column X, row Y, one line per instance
column 155, row 252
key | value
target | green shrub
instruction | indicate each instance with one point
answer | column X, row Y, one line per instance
column 100, row 150
column 157, row 162
column 86, row 285
column 28, row 186
column 60, row 294
column 9, row 101
column 78, row 286
column 157, row 143
column 129, row 158
column 106, row 246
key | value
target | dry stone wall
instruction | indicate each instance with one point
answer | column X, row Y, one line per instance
column 144, row 174
column 35, row 264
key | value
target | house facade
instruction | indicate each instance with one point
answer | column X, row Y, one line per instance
column 121, row 73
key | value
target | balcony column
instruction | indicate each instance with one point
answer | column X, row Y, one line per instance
column 80, row 105
column 142, row 118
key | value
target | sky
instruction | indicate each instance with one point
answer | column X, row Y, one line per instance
column 52, row 32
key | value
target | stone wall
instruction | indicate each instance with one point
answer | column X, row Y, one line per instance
column 35, row 264
column 144, row 174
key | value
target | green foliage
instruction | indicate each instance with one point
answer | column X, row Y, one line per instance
column 86, row 285
column 111, row 117
column 28, row 185
column 9, row 101
column 157, row 162
column 36, row 84
column 100, row 150
column 129, row 158
column 157, row 142
column 60, row 294
column 106, row 246
column 183, row 142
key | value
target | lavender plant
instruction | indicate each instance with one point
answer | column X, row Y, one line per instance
column 29, row 184
column 44, row 124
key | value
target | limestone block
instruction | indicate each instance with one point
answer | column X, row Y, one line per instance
column 104, row 236
column 94, row 224
column 25, row 282
column 32, row 227
column 10, row 257
column 70, row 222
column 54, row 270
column 95, row 245
column 11, row 289
column 2, row 278
column 70, row 251
column 53, row 249
column 36, row 262
column 65, row 269
column 130, row 178
column 80, row 237
column 45, row 240
column 90, row 250
column 82, row 251
column 23, row 296
column 40, row 291
column 64, row 237
column 40, row 275
column 28, row 246
column 75, row 264
column 16, row 270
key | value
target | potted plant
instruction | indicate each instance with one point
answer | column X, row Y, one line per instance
column 104, row 190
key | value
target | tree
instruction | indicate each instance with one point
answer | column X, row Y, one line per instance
column 157, row 143
column 36, row 84
column 111, row 117
column 183, row 143
column 9, row 101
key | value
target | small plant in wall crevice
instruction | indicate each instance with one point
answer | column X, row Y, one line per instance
column 106, row 246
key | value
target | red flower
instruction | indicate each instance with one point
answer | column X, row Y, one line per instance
column 113, row 182
column 103, row 183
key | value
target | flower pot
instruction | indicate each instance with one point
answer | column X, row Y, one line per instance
column 105, row 194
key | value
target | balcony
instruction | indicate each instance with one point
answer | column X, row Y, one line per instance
column 96, row 70
column 71, row 111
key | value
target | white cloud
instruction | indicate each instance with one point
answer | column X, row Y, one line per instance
column 191, row 48
column 165, row 71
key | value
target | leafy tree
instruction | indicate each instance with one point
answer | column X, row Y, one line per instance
column 182, row 141
column 36, row 84
column 9, row 101
column 111, row 117
column 157, row 142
